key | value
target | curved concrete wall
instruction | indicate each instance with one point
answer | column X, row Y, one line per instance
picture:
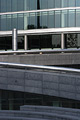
column 64, row 85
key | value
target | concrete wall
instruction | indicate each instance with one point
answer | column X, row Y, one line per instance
column 54, row 84
column 43, row 59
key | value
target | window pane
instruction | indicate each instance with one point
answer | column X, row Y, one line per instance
column 3, row 22
column 44, row 4
column 9, row 22
column 57, row 19
column 33, row 4
column 51, row 3
column 56, row 41
column 71, row 18
column 8, row 5
column 64, row 18
column 44, row 20
column 26, row 21
column 32, row 21
column 51, row 19
column 39, row 20
column 20, row 21
column 14, row 21
column 57, row 3
column 20, row 42
column 64, row 3
column 14, row 5
column 71, row 3
column 77, row 18
column 78, row 3
column 38, row 4
column 3, row 5
column 20, row 5
column 26, row 4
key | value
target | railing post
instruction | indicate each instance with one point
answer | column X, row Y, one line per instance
column 62, row 41
column 14, row 39
column 25, row 42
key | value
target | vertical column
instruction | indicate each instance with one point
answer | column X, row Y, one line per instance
column 25, row 43
column 14, row 39
column 62, row 41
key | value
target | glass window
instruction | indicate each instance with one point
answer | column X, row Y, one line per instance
column 20, row 5
column 3, row 22
column 57, row 19
column 64, row 3
column 71, row 3
column 44, row 4
column 9, row 27
column 51, row 19
column 33, row 4
column 77, row 3
column 20, row 22
column 32, row 21
column 38, row 4
column 14, row 5
column 77, row 18
column 39, row 20
column 3, row 5
column 14, row 21
column 8, row 5
column 51, row 3
column 64, row 18
column 71, row 22
column 20, row 42
column 78, row 40
column 57, row 3
column 26, row 4
column 44, row 20
column 56, row 41
column 26, row 21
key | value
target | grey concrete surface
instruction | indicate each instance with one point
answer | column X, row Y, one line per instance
column 61, row 84
column 43, row 59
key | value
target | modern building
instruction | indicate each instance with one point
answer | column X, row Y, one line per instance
column 40, row 24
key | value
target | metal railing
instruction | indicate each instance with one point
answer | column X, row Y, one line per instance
column 40, row 67
column 44, row 51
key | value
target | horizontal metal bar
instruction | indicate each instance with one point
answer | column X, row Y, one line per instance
column 41, row 51
column 15, row 65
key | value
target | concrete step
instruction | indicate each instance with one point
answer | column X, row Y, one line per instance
column 47, row 109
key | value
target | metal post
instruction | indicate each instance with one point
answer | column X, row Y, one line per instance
column 25, row 43
column 14, row 39
column 62, row 41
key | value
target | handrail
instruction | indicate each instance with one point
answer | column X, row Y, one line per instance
column 16, row 65
column 41, row 51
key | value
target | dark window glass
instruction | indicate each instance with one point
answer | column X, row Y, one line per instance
column 77, row 3
column 20, row 42
column 56, row 41
column 32, row 24
column 44, row 20
column 44, row 4
column 26, row 21
column 9, row 27
column 3, row 22
column 71, row 3
column 77, row 18
column 57, row 3
column 51, row 3
column 14, row 21
column 20, row 22
column 14, row 5
column 64, row 18
column 3, row 5
column 71, row 18
column 33, row 4
column 39, row 20
column 51, row 19
column 8, row 5
column 57, row 19
column 20, row 5
column 64, row 3
column 26, row 4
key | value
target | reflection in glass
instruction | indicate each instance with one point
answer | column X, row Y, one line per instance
column 3, row 5
column 71, row 18
column 20, row 22
column 14, row 5
column 9, row 27
column 20, row 5
column 71, row 3
column 64, row 3
column 44, row 20
column 77, row 3
column 3, row 22
column 33, row 4
column 51, row 19
column 14, row 21
column 20, row 42
column 44, row 4
column 8, row 4
column 32, row 24
column 26, row 4
column 57, row 19
column 77, row 18
column 64, row 19
column 57, row 3
column 51, row 4
column 26, row 21
column 39, row 20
